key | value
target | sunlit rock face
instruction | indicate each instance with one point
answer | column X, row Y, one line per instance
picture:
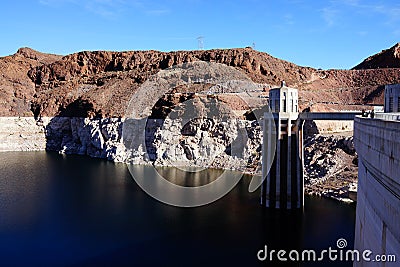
column 232, row 144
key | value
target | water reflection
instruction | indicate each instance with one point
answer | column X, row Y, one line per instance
column 63, row 211
column 165, row 191
column 191, row 177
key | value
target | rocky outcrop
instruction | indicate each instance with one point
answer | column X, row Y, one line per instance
column 99, row 138
column 231, row 144
column 330, row 164
column 108, row 79
column 388, row 58
column 17, row 90
column 33, row 83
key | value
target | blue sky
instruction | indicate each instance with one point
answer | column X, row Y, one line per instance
column 320, row 34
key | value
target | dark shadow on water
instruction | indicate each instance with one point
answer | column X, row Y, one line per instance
column 75, row 211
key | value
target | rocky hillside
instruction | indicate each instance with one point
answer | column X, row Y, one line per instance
column 330, row 164
column 389, row 58
column 17, row 91
column 100, row 83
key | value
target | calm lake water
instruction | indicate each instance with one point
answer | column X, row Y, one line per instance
column 76, row 211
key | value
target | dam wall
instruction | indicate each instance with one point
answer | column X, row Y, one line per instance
column 377, row 143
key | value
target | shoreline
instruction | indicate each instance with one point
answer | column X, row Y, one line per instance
column 103, row 138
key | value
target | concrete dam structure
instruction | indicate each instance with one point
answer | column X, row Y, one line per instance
column 377, row 141
column 283, row 185
column 283, row 151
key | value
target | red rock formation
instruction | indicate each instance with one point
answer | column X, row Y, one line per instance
column 16, row 89
column 389, row 58
column 105, row 81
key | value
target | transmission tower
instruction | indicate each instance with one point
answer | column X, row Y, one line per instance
column 200, row 42
column 253, row 46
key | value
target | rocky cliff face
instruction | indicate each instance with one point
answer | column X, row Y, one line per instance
column 22, row 134
column 388, row 58
column 330, row 163
column 231, row 144
column 108, row 80
column 17, row 90
column 99, row 138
